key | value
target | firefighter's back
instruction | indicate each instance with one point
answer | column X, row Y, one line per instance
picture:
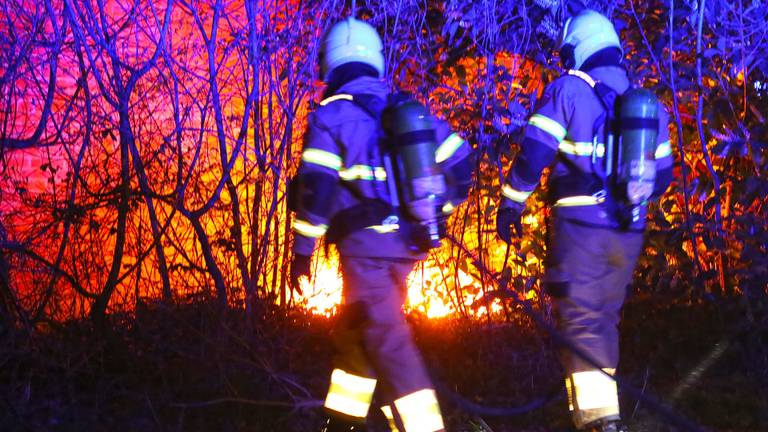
column 363, row 178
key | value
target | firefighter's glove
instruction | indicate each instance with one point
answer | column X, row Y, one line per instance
column 299, row 268
column 508, row 223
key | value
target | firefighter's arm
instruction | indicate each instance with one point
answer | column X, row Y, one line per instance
column 545, row 130
column 457, row 159
column 317, row 179
column 663, row 155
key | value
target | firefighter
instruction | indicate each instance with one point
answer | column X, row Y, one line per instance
column 594, row 242
column 341, row 192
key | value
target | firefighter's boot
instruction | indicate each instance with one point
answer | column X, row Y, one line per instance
column 606, row 426
column 334, row 424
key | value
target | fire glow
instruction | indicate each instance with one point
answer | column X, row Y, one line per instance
column 429, row 284
column 426, row 293
column 173, row 189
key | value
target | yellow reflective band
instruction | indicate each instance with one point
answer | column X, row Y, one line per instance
column 548, row 125
column 663, row 150
column 448, row 147
column 308, row 230
column 514, row 194
column 569, row 391
column 322, row 158
column 583, row 75
column 387, row 410
column 595, row 390
column 350, row 394
column 580, row 148
column 333, row 98
column 363, row 172
column 448, row 208
column 384, row 229
column 420, row 411
column 579, row 200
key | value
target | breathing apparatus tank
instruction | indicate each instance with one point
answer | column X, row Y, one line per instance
column 421, row 186
column 638, row 127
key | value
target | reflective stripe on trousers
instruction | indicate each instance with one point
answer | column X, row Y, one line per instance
column 387, row 410
column 350, row 394
column 592, row 395
column 417, row 412
column 372, row 339
column 590, row 268
column 420, row 412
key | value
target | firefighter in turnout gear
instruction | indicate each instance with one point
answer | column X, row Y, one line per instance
column 596, row 232
column 344, row 191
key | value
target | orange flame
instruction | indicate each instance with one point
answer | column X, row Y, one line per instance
column 434, row 289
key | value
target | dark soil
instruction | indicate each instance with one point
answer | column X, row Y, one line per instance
column 188, row 368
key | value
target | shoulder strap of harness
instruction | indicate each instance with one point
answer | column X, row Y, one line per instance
column 371, row 104
column 608, row 99
column 368, row 211
column 604, row 93
column 375, row 105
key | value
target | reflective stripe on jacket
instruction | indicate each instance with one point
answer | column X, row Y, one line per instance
column 561, row 131
column 342, row 147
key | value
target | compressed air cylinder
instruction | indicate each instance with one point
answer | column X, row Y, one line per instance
column 421, row 181
column 639, row 125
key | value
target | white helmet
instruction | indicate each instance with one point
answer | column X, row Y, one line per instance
column 349, row 41
column 585, row 34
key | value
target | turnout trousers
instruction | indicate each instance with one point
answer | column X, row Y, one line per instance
column 588, row 271
column 375, row 349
